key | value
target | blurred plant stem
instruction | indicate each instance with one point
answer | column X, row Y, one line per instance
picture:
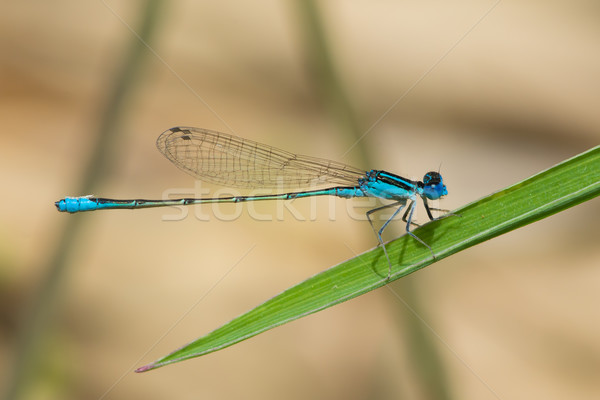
column 44, row 310
column 421, row 344
column 428, row 367
column 326, row 78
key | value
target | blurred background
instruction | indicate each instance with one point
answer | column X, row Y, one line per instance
column 494, row 92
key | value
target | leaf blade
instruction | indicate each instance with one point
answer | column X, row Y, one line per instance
column 567, row 184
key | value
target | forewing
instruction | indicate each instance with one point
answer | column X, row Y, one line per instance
column 235, row 162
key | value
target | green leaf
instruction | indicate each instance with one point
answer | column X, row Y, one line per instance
column 560, row 187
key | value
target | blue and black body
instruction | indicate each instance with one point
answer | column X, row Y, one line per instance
column 231, row 161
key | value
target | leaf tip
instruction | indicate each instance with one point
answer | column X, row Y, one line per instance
column 145, row 368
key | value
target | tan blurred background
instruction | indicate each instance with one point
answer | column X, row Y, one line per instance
column 493, row 94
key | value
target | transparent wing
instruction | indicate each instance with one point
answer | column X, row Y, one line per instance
column 234, row 162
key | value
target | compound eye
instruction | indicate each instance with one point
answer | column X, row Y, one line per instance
column 432, row 178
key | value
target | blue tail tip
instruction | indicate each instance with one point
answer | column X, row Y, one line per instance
column 60, row 205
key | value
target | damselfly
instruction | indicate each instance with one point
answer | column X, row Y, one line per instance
column 234, row 162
